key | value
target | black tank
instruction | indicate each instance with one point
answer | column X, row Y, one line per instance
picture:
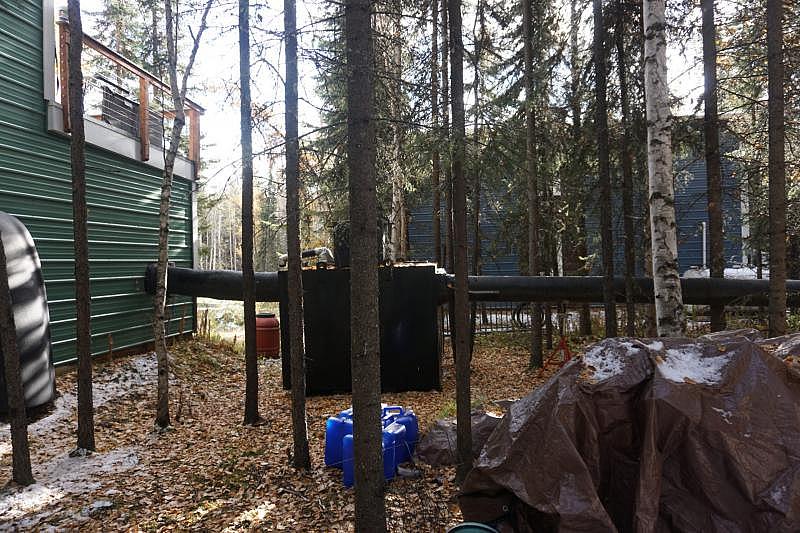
column 31, row 316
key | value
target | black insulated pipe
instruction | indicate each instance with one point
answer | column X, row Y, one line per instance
column 227, row 285
column 589, row 289
column 219, row 284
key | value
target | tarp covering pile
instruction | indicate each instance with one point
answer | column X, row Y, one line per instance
column 658, row 435
column 438, row 446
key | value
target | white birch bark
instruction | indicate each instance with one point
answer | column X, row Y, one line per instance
column 666, row 279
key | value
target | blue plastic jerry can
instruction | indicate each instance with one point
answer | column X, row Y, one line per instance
column 409, row 420
column 395, row 435
column 347, row 461
column 335, row 430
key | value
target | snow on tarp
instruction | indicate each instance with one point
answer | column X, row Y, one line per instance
column 638, row 437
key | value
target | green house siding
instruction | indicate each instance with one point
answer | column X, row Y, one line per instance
column 123, row 195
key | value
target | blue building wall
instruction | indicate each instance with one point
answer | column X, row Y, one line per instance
column 501, row 257
column 499, row 254
column 691, row 210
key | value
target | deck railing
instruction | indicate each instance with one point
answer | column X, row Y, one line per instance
column 124, row 95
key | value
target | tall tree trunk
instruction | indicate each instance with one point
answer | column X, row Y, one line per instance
column 713, row 163
column 301, row 456
column 370, row 510
column 448, row 174
column 20, row 452
column 585, row 313
column 398, row 192
column 437, row 136
column 83, row 328
column 178, row 93
column 251, row 415
column 476, row 184
column 666, row 280
column 461, row 294
column 531, row 157
column 777, row 170
column 626, row 159
column 604, row 170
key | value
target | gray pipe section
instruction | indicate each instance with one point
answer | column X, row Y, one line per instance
column 227, row 285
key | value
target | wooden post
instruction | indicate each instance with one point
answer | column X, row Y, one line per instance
column 110, row 347
column 194, row 135
column 63, row 70
column 144, row 118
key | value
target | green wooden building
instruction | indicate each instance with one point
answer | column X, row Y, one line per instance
column 123, row 166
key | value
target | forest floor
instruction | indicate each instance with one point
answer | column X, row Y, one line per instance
column 210, row 472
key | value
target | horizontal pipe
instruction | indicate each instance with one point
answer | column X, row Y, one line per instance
column 227, row 285
column 589, row 289
column 218, row 284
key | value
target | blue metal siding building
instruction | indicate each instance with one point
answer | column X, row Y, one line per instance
column 499, row 249
column 499, row 254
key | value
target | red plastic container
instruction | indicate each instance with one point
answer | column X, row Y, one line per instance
column 268, row 335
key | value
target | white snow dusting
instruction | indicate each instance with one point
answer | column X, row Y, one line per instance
column 688, row 362
column 106, row 387
column 726, row 416
column 656, row 346
column 605, row 361
column 60, row 478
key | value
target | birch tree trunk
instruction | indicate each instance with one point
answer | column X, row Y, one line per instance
column 20, row 452
column 666, row 279
column 398, row 189
column 301, row 457
column 461, row 294
column 713, row 163
column 531, row 156
column 777, row 170
column 160, row 298
column 83, row 329
column 370, row 508
column 251, row 416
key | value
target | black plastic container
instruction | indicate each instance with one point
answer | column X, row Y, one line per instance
column 410, row 351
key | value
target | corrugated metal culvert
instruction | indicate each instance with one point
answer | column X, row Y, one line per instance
column 123, row 196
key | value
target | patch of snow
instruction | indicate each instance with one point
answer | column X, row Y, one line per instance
column 107, row 385
column 688, row 362
column 59, row 478
column 656, row 346
column 606, row 361
column 726, row 415
column 777, row 494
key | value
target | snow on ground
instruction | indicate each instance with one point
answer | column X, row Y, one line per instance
column 688, row 362
column 107, row 385
column 59, row 476
column 58, row 479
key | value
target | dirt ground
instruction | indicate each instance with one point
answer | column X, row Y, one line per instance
column 210, row 472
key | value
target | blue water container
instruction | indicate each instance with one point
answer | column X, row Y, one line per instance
column 347, row 462
column 394, row 437
column 409, row 420
column 389, row 465
column 335, row 429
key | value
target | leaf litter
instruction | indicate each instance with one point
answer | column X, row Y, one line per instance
column 211, row 472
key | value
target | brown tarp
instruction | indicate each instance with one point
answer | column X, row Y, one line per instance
column 658, row 435
column 438, row 446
